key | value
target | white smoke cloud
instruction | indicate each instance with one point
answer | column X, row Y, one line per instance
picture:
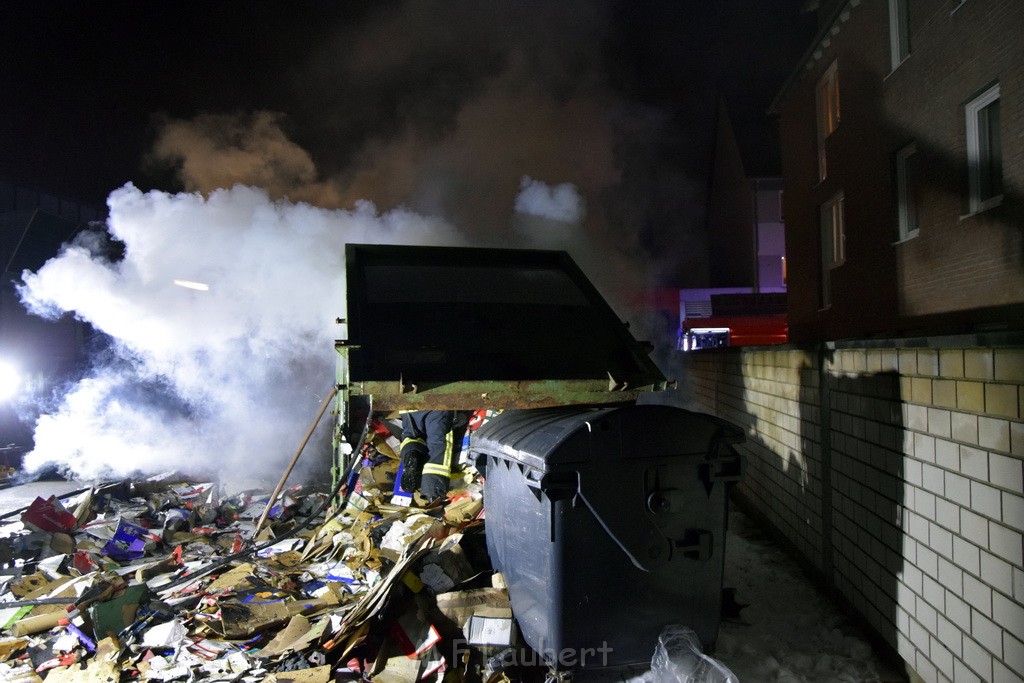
column 223, row 380
column 560, row 203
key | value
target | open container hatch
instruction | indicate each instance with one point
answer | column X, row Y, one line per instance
column 469, row 328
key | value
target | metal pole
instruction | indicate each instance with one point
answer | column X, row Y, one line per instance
column 295, row 458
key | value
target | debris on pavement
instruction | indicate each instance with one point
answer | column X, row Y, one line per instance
column 169, row 580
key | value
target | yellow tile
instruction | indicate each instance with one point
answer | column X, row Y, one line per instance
column 944, row 393
column 1009, row 365
column 1001, row 399
column 874, row 357
column 951, row 363
column 928, row 362
column 978, row 364
column 970, row 396
column 908, row 361
column 907, row 388
column 921, row 390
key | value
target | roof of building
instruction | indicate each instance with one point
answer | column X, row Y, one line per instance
column 821, row 42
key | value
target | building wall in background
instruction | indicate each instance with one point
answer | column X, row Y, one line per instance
column 958, row 269
column 895, row 470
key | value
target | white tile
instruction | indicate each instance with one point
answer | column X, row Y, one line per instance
column 1013, row 652
column 933, row 479
column 1013, row 510
column 947, row 454
column 927, row 560
column 1003, row 673
column 933, row 592
column 986, row 500
column 1007, row 543
column 978, row 659
column 915, row 417
column 924, row 503
column 910, row 580
column 950, row 635
column 1008, row 613
column 1006, row 471
column 958, row 489
column 948, row 514
column 927, row 615
column 912, row 471
column 974, row 527
column 958, row 611
column 924, row 667
column 965, row 427
column 962, row 674
column 918, row 635
column 940, row 540
column 1017, row 438
column 994, row 433
column 977, row 594
column 939, row 422
column 924, row 447
column 966, row 555
column 987, row 632
column 974, row 463
column 941, row 656
column 996, row 572
column 951, row 576
column 917, row 527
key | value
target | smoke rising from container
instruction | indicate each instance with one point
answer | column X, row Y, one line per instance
column 426, row 123
column 221, row 320
column 222, row 379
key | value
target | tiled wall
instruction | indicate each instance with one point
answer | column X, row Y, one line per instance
column 897, row 473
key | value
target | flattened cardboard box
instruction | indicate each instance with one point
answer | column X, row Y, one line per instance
column 460, row 606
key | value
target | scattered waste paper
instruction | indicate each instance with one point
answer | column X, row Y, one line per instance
column 169, row 580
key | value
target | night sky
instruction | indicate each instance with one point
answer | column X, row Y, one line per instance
column 438, row 105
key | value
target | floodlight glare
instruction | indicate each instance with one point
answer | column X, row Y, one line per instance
column 10, row 380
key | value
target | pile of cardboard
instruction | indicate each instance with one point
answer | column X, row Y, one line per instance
column 171, row 581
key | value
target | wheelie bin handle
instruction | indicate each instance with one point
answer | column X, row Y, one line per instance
column 615, row 539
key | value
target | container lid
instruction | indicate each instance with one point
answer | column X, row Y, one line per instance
column 466, row 324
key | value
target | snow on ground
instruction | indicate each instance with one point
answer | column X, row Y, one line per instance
column 790, row 632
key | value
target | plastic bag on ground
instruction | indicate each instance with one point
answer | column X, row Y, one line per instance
column 678, row 659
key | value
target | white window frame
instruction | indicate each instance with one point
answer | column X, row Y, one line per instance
column 906, row 186
column 899, row 32
column 832, row 222
column 975, row 148
column 828, row 113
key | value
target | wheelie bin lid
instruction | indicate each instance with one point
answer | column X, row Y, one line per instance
column 549, row 438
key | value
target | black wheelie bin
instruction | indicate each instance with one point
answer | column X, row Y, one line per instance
column 608, row 523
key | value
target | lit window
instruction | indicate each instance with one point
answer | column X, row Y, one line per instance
column 833, row 232
column 899, row 32
column 833, row 244
column 907, row 191
column 984, row 151
column 828, row 112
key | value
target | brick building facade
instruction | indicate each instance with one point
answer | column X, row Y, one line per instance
column 902, row 136
column 886, row 442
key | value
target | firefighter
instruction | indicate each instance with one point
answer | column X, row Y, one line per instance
column 427, row 448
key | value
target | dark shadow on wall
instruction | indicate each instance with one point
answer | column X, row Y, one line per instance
column 870, row 295
column 941, row 190
column 862, row 456
column 849, row 477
